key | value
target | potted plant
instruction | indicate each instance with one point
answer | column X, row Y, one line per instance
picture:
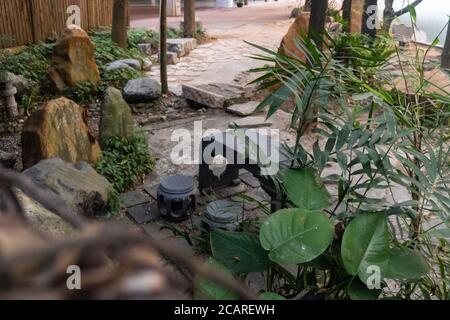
column 240, row 3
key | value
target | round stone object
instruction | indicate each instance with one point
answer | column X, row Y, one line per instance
column 176, row 198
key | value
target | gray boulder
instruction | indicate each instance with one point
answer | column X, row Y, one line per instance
column 115, row 116
column 142, row 90
column 42, row 219
column 79, row 187
column 124, row 64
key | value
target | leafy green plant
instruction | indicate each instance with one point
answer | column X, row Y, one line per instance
column 368, row 128
column 83, row 92
column 138, row 36
column 114, row 203
column 125, row 162
column 118, row 78
column 240, row 252
column 208, row 290
column 106, row 51
column 31, row 62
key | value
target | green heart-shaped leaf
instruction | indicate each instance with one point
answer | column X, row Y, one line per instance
column 239, row 251
column 207, row 290
column 365, row 244
column 406, row 264
column 295, row 236
column 305, row 189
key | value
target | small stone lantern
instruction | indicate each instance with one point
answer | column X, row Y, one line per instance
column 176, row 198
column 221, row 214
column 8, row 92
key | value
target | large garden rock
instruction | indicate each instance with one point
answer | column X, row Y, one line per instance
column 142, row 90
column 79, row 187
column 116, row 118
column 59, row 129
column 73, row 59
column 288, row 43
column 215, row 95
column 42, row 219
column 124, row 64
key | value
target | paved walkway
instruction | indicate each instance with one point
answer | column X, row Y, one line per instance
column 225, row 58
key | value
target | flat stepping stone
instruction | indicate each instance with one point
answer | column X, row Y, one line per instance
column 214, row 95
column 133, row 198
column 144, row 213
column 251, row 123
column 243, row 109
column 152, row 190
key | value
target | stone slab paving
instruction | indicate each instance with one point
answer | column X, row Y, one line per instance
column 143, row 213
column 251, row 123
column 243, row 109
column 214, row 95
column 223, row 59
column 133, row 198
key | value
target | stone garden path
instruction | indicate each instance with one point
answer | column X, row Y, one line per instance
column 223, row 59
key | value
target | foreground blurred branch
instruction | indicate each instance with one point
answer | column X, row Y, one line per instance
column 29, row 256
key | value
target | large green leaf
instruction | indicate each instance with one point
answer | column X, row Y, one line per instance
column 366, row 243
column 305, row 189
column 207, row 290
column 441, row 233
column 239, row 251
column 271, row 296
column 405, row 264
column 358, row 291
column 294, row 236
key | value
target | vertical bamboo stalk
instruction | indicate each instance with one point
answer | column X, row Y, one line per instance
column 163, row 46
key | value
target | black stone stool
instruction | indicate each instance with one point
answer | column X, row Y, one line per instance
column 236, row 153
column 176, row 198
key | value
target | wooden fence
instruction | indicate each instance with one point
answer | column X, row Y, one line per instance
column 27, row 21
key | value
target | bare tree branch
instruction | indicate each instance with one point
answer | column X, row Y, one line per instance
column 99, row 236
column 407, row 8
column 18, row 181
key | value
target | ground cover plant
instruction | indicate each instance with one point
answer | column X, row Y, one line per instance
column 34, row 61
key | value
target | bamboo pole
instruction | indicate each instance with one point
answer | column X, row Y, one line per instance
column 163, row 46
